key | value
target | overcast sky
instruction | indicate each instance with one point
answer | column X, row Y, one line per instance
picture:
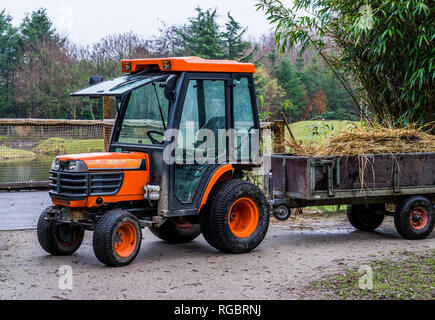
column 87, row 21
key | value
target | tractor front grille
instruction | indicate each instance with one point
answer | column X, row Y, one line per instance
column 79, row 186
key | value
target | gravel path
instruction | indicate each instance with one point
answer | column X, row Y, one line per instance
column 292, row 255
column 21, row 210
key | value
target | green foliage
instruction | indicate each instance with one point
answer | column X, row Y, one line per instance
column 294, row 89
column 387, row 47
column 270, row 94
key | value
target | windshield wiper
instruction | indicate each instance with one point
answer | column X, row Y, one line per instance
column 160, row 107
column 126, row 83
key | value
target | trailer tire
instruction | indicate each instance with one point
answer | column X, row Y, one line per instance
column 176, row 231
column 58, row 239
column 362, row 217
column 117, row 238
column 413, row 218
column 236, row 217
column 282, row 212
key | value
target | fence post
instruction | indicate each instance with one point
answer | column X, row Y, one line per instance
column 107, row 114
column 278, row 136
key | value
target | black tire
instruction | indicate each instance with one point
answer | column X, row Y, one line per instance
column 108, row 238
column 215, row 225
column 282, row 212
column 174, row 232
column 58, row 239
column 415, row 205
column 363, row 217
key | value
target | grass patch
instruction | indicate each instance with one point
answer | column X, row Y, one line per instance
column 407, row 275
column 59, row 146
column 11, row 154
column 310, row 132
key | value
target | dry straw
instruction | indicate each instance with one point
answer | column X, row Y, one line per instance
column 357, row 140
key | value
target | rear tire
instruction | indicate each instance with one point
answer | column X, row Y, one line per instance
column 362, row 217
column 177, row 230
column 58, row 239
column 117, row 238
column 236, row 217
column 414, row 218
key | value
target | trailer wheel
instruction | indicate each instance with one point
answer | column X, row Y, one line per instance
column 58, row 239
column 414, row 218
column 363, row 217
column 236, row 218
column 177, row 230
column 282, row 212
column 117, row 238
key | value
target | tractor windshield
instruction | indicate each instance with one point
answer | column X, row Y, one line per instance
column 146, row 115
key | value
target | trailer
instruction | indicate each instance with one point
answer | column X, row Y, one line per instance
column 364, row 183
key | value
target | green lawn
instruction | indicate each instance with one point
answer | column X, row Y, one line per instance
column 404, row 275
column 309, row 132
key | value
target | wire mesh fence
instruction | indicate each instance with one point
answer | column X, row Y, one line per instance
column 28, row 146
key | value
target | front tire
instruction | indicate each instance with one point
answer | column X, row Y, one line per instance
column 236, row 218
column 414, row 218
column 117, row 238
column 363, row 217
column 58, row 239
column 177, row 230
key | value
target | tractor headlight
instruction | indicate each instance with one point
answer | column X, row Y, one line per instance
column 69, row 165
column 55, row 165
column 76, row 166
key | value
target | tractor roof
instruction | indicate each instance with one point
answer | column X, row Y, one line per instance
column 195, row 64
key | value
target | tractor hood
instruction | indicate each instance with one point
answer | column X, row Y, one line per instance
column 106, row 160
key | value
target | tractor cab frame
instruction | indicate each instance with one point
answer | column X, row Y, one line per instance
column 157, row 171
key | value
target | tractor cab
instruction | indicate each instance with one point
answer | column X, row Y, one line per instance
column 186, row 130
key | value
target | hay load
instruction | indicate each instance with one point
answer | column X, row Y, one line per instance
column 358, row 140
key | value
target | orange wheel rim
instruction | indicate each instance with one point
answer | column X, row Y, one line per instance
column 418, row 218
column 125, row 239
column 243, row 217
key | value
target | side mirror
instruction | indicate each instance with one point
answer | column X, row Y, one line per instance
column 95, row 79
column 169, row 86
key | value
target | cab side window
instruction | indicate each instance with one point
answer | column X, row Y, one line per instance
column 244, row 121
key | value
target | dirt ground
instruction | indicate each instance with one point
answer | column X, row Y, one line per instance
column 294, row 254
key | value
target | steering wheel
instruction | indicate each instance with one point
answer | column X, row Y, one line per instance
column 153, row 140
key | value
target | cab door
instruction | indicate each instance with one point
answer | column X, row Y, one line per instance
column 203, row 116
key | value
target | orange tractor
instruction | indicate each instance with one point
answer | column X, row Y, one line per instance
column 136, row 184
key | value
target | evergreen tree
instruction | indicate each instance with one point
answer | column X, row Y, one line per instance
column 202, row 36
column 37, row 27
column 235, row 47
column 294, row 89
column 9, row 57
